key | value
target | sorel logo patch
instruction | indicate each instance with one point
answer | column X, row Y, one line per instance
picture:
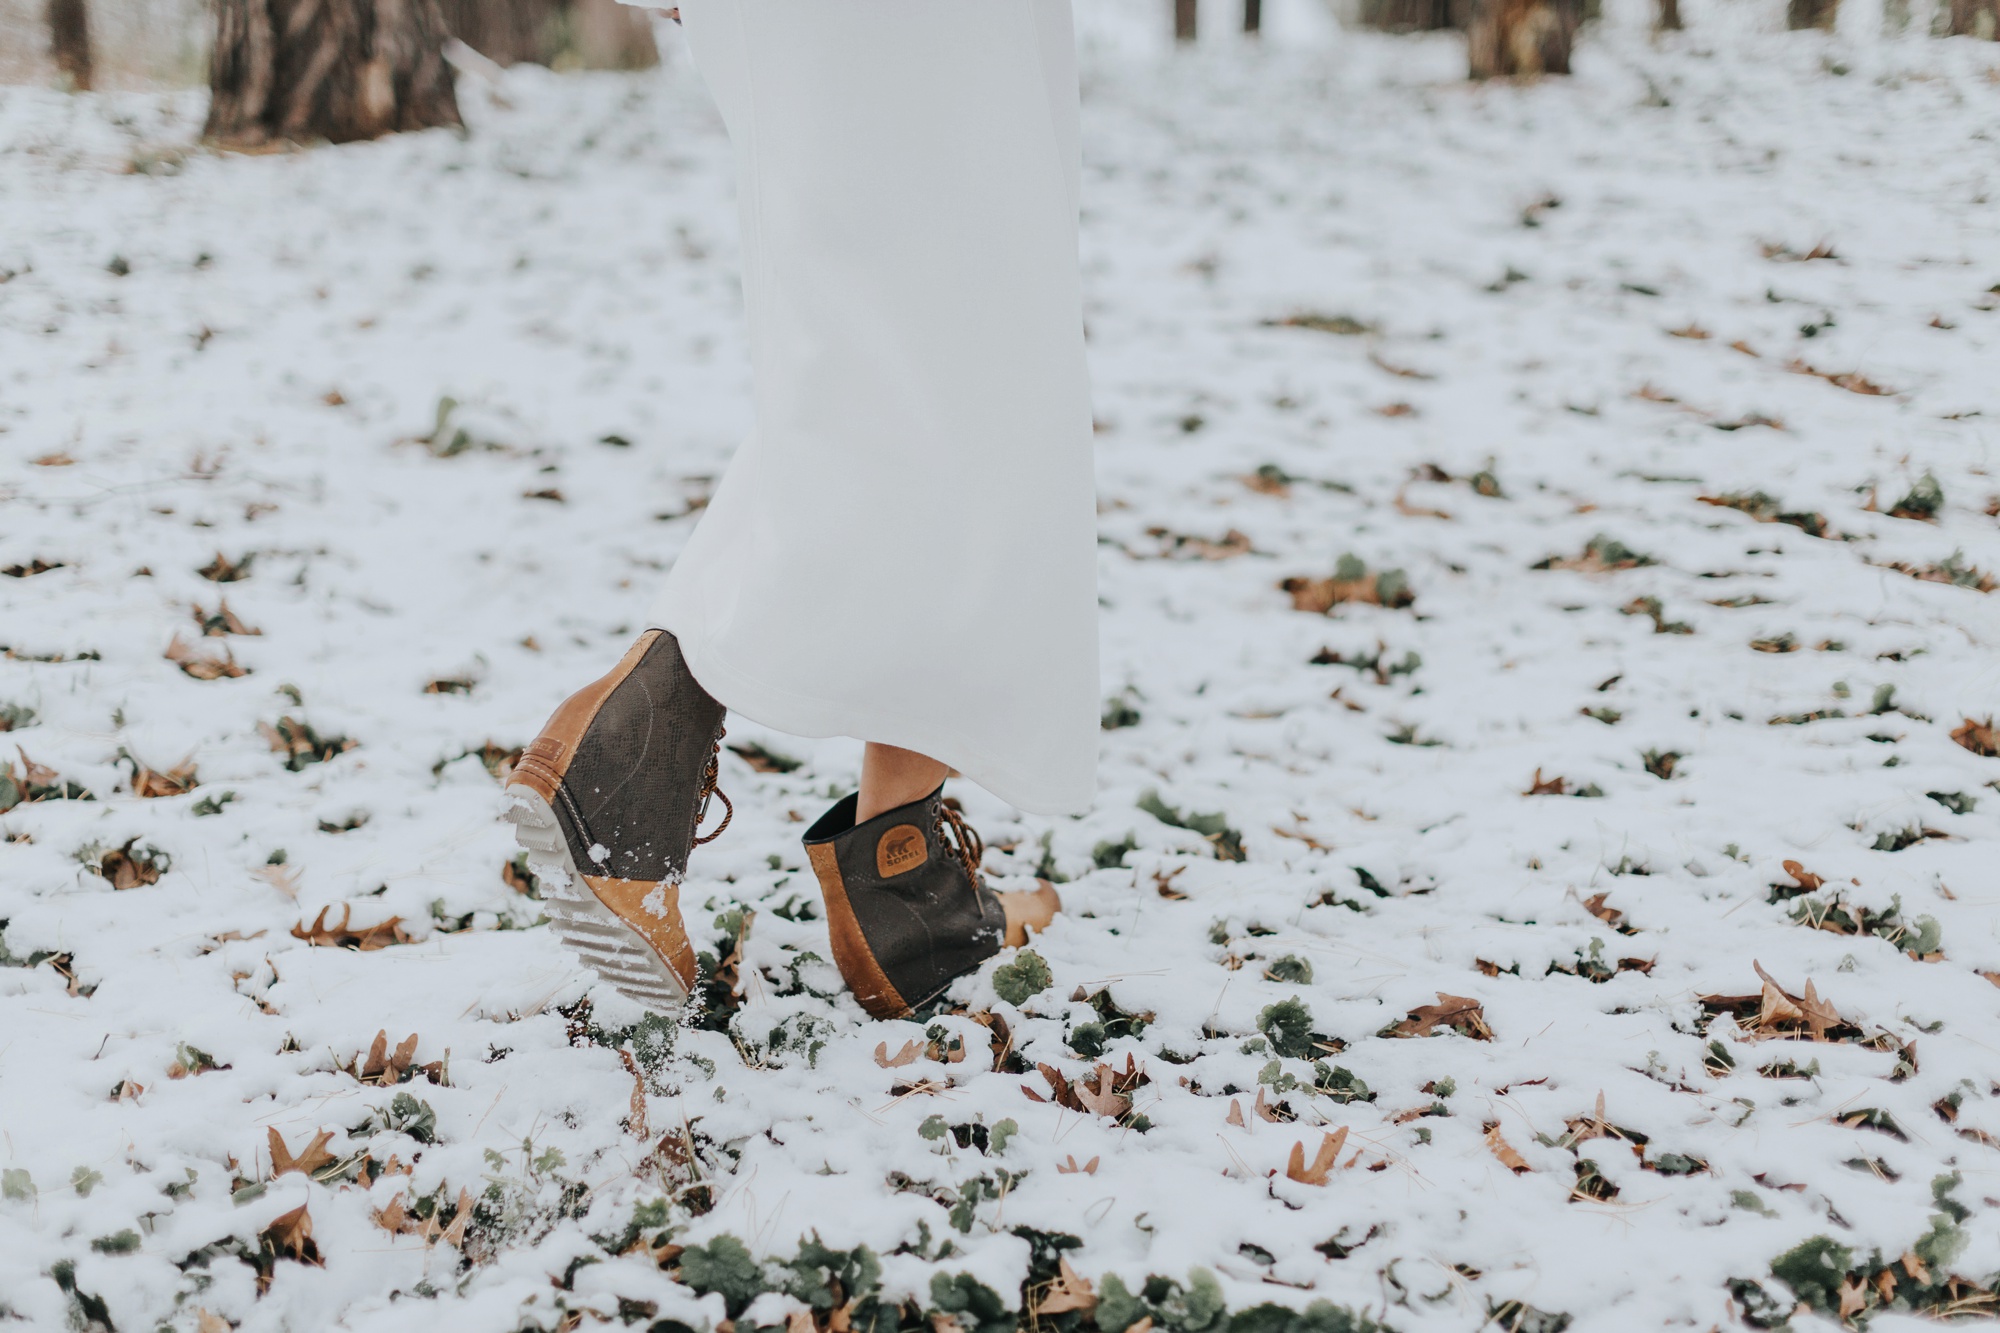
column 901, row 848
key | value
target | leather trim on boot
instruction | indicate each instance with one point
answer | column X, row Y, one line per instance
column 656, row 921
column 864, row 976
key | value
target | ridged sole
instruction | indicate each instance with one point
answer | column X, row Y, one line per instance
column 586, row 926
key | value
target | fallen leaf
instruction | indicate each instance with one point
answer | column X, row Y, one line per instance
column 312, row 1159
column 1454, row 1012
column 289, row 1236
column 1540, row 786
column 176, row 781
column 1070, row 1168
column 343, row 936
column 1069, row 1291
column 1980, row 737
column 454, row 1234
column 1104, row 1099
column 283, row 878
column 1235, row 1116
column 1595, row 905
column 1501, row 1149
column 908, row 1055
column 204, row 666
column 210, row 1323
column 1805, row 879
column 635, row 1119
column 221, row 621
column 1323, row 1163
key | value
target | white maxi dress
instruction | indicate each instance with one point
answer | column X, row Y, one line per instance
column 904, row 549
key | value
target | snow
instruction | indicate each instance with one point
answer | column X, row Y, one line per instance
column 266, row 379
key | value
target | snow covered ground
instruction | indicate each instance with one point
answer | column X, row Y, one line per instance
column 432, row 415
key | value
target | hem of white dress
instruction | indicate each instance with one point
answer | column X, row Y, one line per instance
column 795, row 714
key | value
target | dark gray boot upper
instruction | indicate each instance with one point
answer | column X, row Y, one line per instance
column 906, row 912
column 627, row 763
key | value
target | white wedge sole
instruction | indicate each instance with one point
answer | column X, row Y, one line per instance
column 586, row 926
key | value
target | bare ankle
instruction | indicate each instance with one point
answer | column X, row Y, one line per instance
column 892, row 777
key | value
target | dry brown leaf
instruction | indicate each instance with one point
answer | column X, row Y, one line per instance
column 394, row 1218
column 1980, row 737
column 1070, row 1291
column 1503, row 1150
column 1595, row 905
column 312, row 1159
column 1454, row 1012
column 1070, row 1168
column 290, row 1236
column 284, row 878
column 344, row 936
column 204, row 666
column 454, row 1234
column 176, row 781
column 1265, row 1112
column 800, row 1321
column 206, row 1322
column 1853, row 1297
column 1540, row 786
column 1323, row 1163
column 1180, row 545
column 635, row 1119
column 908, row 1055
column 221, row 621
column 1104, row 1099
column 1806, row 880
column 1235, row 1116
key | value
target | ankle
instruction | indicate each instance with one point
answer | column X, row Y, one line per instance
column 892, row 777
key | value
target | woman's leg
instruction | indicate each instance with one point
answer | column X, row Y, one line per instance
column 891, row 777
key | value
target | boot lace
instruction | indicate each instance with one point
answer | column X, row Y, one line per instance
column 709, row 778
column 967, row 842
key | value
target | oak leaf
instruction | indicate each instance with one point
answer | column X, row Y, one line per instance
column 1070, row 1168
column 1457, row 1013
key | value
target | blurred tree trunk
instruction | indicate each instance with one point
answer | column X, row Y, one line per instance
column 1976, row 18
column 1414, row 15
column 69, row 42
column 1802, row 14
column 1521, row 38
column 592, row 34
column 1186, row 15
column 1668, row 19
column 338, row 70
column 1253, row 15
